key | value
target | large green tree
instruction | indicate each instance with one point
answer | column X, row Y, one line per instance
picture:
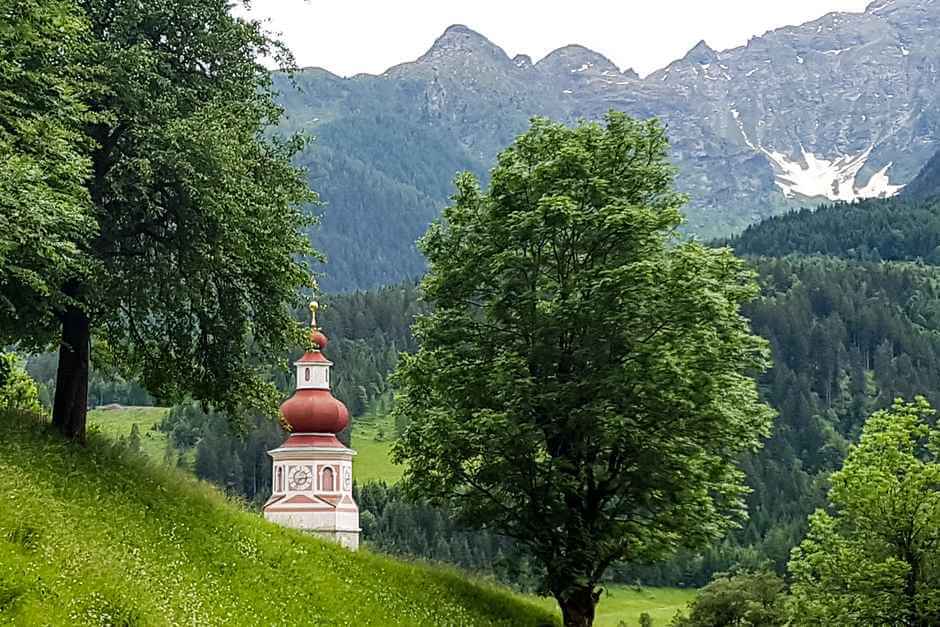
column 584, row 382
column 874, row 558
column 44, row 209
column 198, row 253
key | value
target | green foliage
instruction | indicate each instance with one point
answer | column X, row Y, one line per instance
column 874, row 558
column 17, row 389
column 744, row 599
column 367, row 331
column 198, row 215
column 91, row 535
column 395, row 525
column 847, row 339
column 105, row 386
column 897, row 229
column 187, row 261
column 44, row 210
column 383, row 179
column 237, row 462
column 582, row 385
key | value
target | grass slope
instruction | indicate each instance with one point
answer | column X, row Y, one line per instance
column 373, row 436
column 96, row 536
column 117, row 423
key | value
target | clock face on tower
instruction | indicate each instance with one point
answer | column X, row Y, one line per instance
column 347, row 479
column 300, row 477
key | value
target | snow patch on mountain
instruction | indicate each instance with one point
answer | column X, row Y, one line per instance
column 879, row 5
column 880, row 186
column 813, row 176
column 737, row 118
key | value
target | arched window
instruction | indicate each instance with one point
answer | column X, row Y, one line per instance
column 328, row 479
column 306, row 374
column 280, row 479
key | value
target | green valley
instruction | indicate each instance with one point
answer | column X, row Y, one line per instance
column 631, row 370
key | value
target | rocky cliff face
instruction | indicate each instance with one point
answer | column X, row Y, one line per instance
column 840, row 108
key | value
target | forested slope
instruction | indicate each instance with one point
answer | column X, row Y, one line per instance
column 847, row 338
column 872, row 230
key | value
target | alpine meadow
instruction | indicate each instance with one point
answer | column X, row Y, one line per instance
column 481, row 339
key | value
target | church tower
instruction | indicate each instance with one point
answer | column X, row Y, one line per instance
column 312, row 469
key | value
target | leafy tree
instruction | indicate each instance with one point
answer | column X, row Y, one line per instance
column 874, row 559
column 198, row 253
column 17, row 389
column 583, row 383
column 746, row 599
column 44, row 209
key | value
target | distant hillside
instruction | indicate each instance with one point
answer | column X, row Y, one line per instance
column 843, row 107
column 897, row 229
column 904, row 228
column 94, row 536
column 926, row 185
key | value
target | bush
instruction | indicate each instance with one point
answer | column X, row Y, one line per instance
column 17, row 389
column 746, row 599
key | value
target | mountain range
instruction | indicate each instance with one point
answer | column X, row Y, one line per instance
column 838, row 109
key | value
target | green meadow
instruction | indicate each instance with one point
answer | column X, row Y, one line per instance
column 623, row 605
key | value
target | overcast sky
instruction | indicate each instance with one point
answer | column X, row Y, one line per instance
column 351, row 36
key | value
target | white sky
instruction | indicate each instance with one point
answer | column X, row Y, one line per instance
column 351, row 36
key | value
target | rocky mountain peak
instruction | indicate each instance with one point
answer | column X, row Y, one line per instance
column 461, row 40
column 522, row 61
column 701, row 53
column 879, row 5
column 576, row 59
column 843, row 107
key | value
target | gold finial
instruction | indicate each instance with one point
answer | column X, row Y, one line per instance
column 314, row 306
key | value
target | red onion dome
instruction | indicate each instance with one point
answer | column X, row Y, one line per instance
column 319, row 340
column 315, row 411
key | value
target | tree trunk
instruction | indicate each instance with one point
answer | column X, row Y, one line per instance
column 577, row 606
column 69, row 410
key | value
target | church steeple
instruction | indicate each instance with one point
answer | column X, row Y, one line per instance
column 312, row 470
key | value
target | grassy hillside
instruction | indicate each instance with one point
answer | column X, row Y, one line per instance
column 95, row 535
column 372, row 438
column 117, row 423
